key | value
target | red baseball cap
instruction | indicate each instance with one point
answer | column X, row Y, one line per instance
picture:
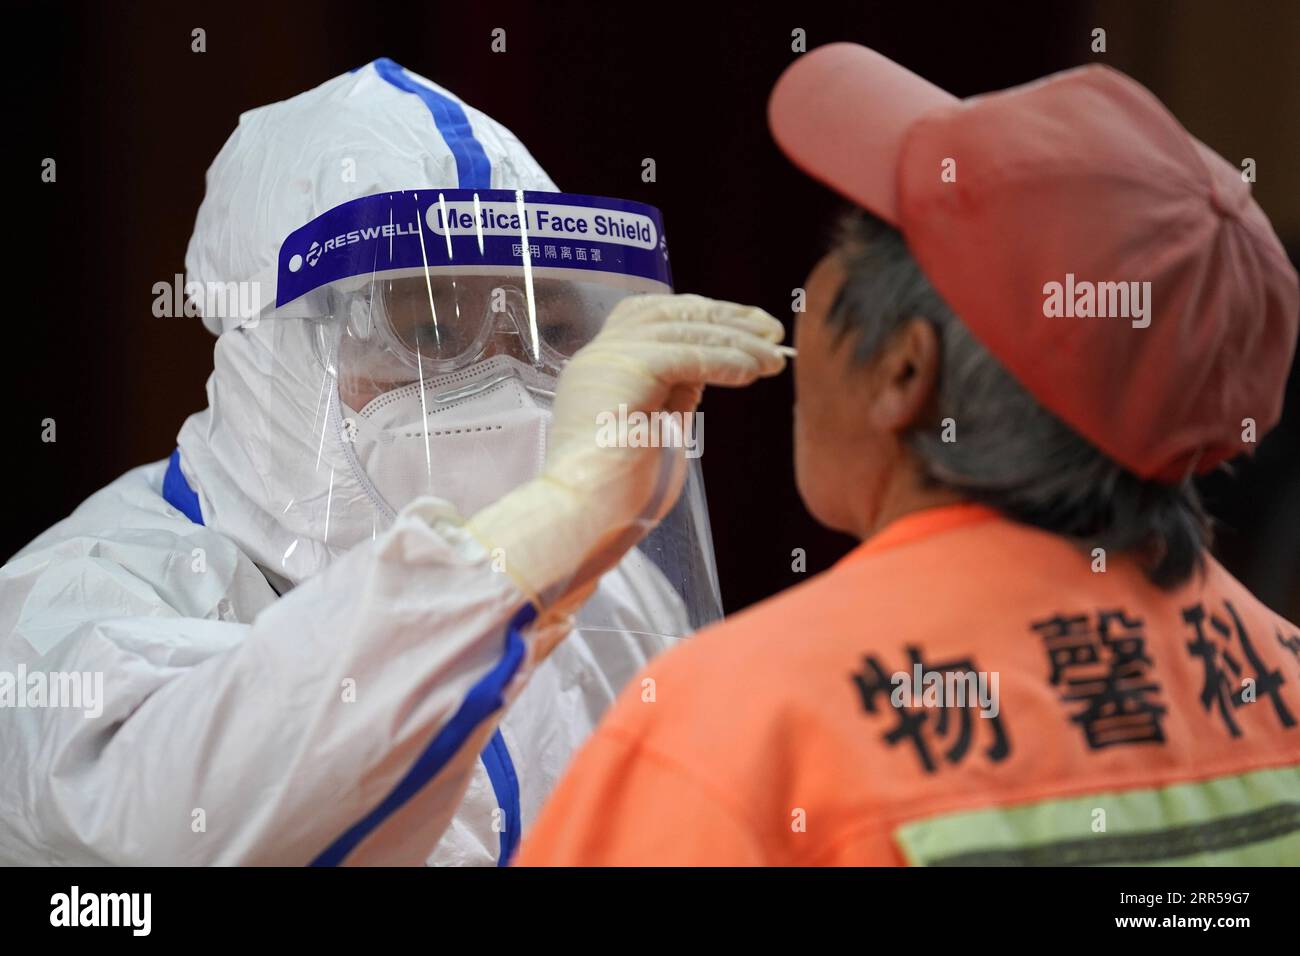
column 1115, row 265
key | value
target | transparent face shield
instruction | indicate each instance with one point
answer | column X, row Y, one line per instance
column 426, row 331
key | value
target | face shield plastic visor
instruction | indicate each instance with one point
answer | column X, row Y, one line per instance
column 439, row 322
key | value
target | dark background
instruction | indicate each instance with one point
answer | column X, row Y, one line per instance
column 114, row 94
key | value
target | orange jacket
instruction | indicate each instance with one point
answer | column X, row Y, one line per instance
column 1131, row 724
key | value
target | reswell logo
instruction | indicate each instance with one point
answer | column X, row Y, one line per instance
column 1104, row 300
column 316, row 250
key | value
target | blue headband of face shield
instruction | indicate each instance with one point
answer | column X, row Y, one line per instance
column 445, row 277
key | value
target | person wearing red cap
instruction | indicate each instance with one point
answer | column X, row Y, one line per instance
column 1050, row 309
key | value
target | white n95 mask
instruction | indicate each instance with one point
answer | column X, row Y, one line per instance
column 467, row 438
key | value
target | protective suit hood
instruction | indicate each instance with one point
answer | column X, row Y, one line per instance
column 274, row 478
column 375, row 129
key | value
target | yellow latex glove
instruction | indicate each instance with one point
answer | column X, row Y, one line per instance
column 595, row 500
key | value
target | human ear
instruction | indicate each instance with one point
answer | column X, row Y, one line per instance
column 906, row 373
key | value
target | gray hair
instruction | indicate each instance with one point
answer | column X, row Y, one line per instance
column 1012, row 454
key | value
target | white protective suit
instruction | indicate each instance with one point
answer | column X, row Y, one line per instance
column 271, row 692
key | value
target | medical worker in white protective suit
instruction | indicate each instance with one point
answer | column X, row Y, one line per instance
column 310, row 622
